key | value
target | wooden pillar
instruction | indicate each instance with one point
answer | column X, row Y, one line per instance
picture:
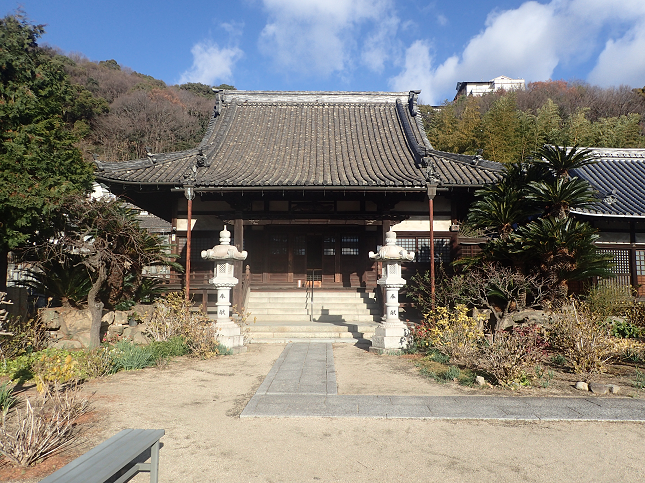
column 238, row 240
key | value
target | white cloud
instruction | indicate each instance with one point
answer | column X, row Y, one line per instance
column 322, row 37
column 211, row 64
column 532, row 40
column 622, row 60
column 417, row 72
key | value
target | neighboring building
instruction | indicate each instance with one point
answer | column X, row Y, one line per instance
column 619, row 177
column 308, row 181
column 481, row 88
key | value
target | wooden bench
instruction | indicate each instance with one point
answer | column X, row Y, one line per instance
column 111, row 457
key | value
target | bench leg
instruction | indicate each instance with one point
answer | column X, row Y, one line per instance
column 154, row 463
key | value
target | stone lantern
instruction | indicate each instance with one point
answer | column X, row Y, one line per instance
column 224, row 255
column 392, row 334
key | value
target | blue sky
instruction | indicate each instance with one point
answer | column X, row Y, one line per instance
column 353, row 45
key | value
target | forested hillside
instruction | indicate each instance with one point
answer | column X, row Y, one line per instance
column 510, row 126
column 117, row 113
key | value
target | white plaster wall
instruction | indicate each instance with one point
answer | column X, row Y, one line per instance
column 421, row 223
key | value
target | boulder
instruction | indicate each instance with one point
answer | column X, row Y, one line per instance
column 51, row 318
column 598, row 388
column 108, row 318
column 67, row 344
column 120, row 317
column 614, row 389
column 527, row 316
column 135, row 334
column 582, row 386
column 480, row 381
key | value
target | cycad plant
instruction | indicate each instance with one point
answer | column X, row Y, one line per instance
column 529, row 209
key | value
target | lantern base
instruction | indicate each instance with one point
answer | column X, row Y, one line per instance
column 390, row 340
column 230, row 336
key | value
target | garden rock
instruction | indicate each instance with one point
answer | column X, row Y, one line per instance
column 135, row 334
column 599, row 388
column 120, row 317
column 528, row 316
column 115, row 330
column 614, row 389
column 108, row 318
column 51, row 318
column 480, row 381
column 67, row 344
column 582, row 386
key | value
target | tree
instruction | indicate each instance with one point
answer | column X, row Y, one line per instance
column 39, row 163
column 529, row 208
column 105, row 238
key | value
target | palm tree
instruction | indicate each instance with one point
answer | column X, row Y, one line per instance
column 561, row 160
column 563, row 249
column 559, row 196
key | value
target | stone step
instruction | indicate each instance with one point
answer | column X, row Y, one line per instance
column 353, row 310
column 319, row 328
column 301, row 293
column 317, row 318
column 365, row 343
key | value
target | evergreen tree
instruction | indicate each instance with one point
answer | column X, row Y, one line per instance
column 501, row 128
column 39, row 163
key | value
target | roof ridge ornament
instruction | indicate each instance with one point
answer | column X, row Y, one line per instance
column 412, row 101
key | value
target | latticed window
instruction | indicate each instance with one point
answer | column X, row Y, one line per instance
column 329, row 245
column 441, row 250
column 410, row 244
column 621, row 266
column 300, row 245
column 197, row 244
column 278, row 244
column 640, row 263
column 349, row 245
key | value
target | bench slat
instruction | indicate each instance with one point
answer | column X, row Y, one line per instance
column 106, row 459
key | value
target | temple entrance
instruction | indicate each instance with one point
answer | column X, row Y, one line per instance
column 284, row 255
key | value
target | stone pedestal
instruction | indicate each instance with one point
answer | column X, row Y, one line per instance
column 228, row 333
column 393, row 335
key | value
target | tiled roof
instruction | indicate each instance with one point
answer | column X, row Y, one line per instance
column 619, row 177
column 307, row 139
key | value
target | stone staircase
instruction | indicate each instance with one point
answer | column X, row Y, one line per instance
column 338, row 316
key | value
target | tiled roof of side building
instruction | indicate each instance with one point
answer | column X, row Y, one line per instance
column 308, row 139
column 619, row 177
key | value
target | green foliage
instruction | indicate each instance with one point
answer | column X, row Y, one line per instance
column 29, row 335
column 39, row 163
column 173, row 347
column 639, row 381
column 625, row 330
column 7, row 400
column 510, row 126
column 129, row 356
column 67, row 283
column 529, row 209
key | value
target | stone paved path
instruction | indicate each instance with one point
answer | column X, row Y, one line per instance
column 302, row 383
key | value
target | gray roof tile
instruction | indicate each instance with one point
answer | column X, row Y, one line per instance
column 308, row 139
column 619, row 177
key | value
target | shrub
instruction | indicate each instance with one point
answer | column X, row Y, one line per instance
column 174, row 317
column 175, row 346
column 97, row 362
column 510, row 355
column 129, row 356
column 584, row 340
column 605, row 300
column 53, row 369
column 7, row 400
column 625, row 330
column 454, row 333
column 36, row 433
column 29, row 336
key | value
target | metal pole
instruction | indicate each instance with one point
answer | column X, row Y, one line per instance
column 188, row 234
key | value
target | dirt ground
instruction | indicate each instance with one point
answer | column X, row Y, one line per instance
column 198, row 403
